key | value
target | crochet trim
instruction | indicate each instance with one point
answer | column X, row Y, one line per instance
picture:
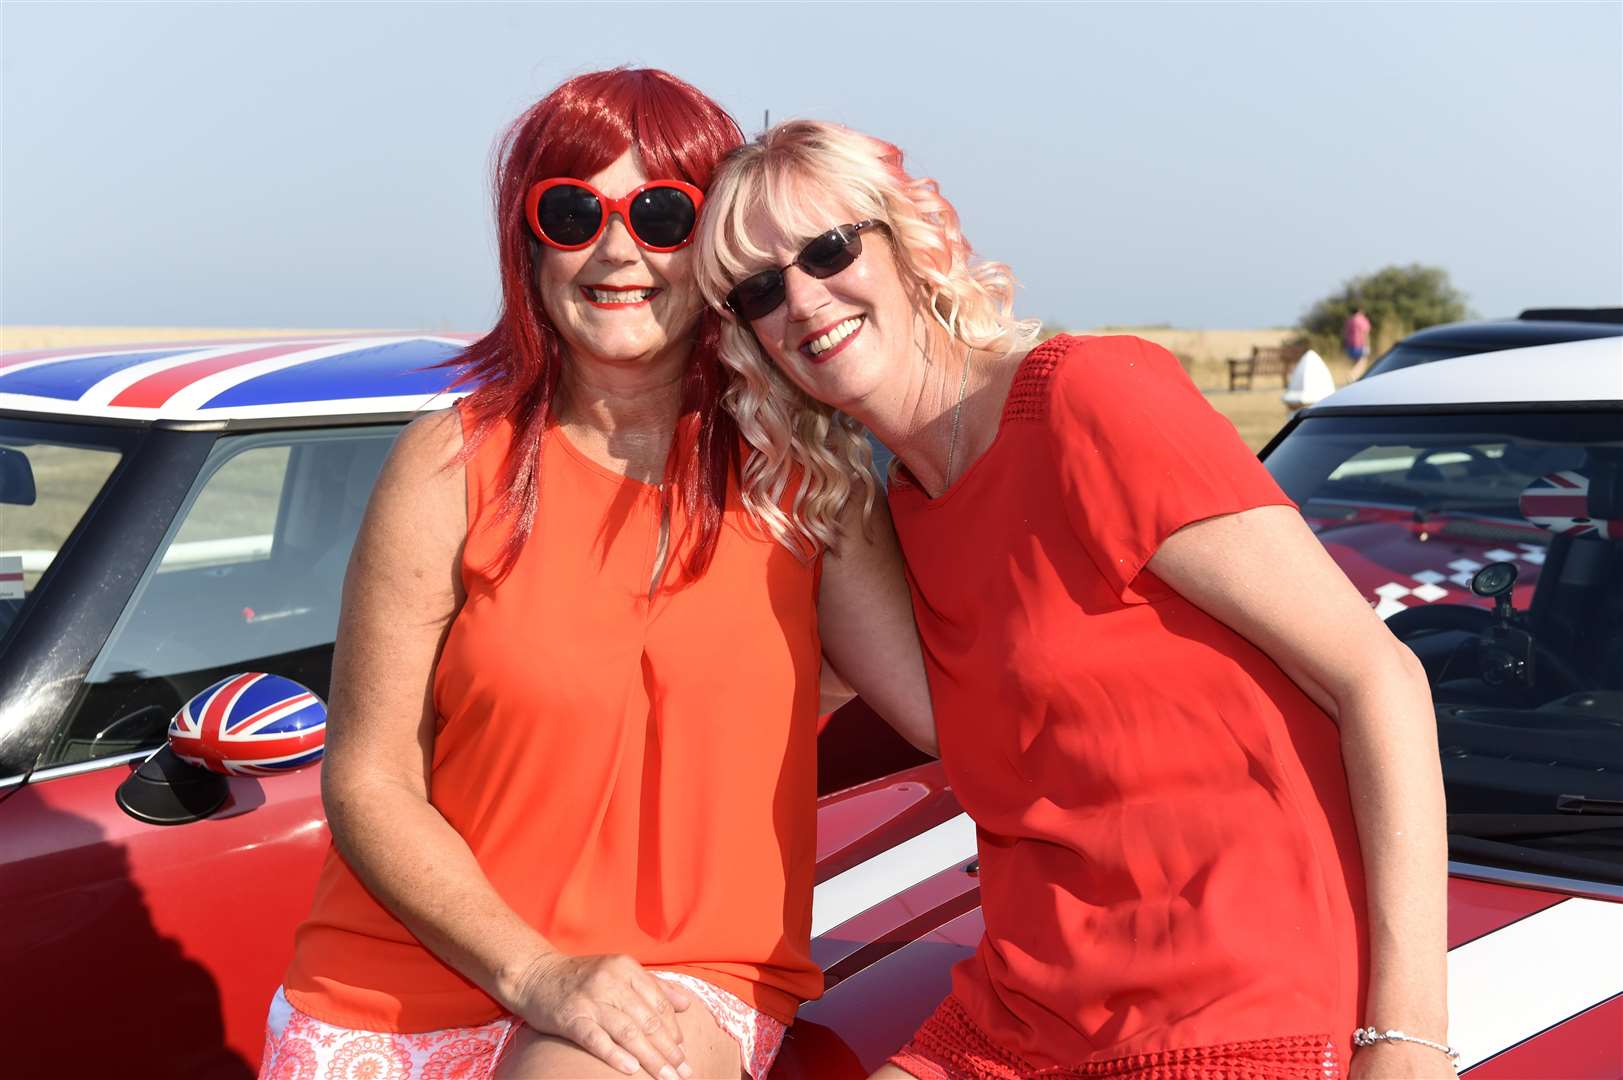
column 1028, row 394
column 951, row 1046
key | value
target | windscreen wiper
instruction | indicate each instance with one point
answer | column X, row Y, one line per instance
column 1491, row 826
column 1428, row 507
column 1584, row 804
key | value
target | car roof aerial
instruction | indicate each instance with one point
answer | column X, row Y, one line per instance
column 258, row 380
column 1569, row 371
column 1571, row 314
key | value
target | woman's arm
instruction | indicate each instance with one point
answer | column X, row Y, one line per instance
column 865, row 618
column 1264, row 574
column 833, row 692
column 401, row 593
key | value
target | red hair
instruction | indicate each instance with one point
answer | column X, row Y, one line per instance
column 577, row 130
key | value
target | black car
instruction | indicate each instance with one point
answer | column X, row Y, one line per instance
column 1535, row 326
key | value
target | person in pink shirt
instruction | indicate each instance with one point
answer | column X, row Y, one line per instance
column 1355, row 339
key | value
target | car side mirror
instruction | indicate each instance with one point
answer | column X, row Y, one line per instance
column 16, row 478
column 250, row 724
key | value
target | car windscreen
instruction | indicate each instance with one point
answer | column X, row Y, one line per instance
column 1492, row 545
column 50, row 475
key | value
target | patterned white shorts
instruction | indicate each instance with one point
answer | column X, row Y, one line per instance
column 300, row 1047
column 759, row 1036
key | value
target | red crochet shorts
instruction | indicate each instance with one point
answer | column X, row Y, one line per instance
column 951, row 1046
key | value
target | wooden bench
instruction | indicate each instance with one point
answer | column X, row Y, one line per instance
column 1265, row 360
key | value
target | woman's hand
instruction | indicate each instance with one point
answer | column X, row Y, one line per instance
column 1400, row 1061
column 609, row 1006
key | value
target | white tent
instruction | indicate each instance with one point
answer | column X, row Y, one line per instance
column 1310, row 382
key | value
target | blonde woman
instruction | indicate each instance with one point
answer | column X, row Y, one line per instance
column 1211, row 816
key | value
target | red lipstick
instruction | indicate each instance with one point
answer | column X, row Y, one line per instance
column 586, row 292
column 836, row 349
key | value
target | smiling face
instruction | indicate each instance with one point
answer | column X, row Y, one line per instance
column 839, row 338
column 615, row 301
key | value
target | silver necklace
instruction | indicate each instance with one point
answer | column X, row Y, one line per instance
column 957, row 415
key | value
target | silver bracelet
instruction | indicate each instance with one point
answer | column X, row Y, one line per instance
column 1368, row 1036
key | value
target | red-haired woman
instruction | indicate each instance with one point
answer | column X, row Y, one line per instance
column 570, row 776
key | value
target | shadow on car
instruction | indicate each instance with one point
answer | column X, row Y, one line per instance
column 91, row 886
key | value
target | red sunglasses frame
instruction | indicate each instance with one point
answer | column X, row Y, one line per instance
column 622, row 206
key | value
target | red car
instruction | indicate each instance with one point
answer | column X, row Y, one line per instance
column 173, row 515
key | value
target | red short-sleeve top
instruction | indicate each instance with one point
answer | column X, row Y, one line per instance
column 634, row 770
column 1168, row 857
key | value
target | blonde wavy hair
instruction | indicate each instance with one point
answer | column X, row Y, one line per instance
column 808, row 176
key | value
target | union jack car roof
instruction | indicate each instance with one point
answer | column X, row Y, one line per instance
column 255, row 380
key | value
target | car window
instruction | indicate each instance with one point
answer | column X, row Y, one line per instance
column 881, row 460
column 50, row 473
column 234, row 517
column 1529, row 688
column 248, row 579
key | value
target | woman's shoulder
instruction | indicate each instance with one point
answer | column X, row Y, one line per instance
column 1072, row 375
column 1099, row 356
column 430, row 445
column 416, row 517
column 425, row 466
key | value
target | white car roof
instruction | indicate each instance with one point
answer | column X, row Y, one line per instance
column 1564, row 372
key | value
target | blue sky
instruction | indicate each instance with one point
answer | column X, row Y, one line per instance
column 1216, row 165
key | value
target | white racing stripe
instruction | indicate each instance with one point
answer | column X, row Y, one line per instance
column 405, row 403
column 1510, row 985
column 121, row 350
column 1503, row 988
column 890, row 872
column 103, row 392
column 191, row 397
column 188, row 402
column 334, row 407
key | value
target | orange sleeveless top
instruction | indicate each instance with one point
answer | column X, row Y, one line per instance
column 634, row 775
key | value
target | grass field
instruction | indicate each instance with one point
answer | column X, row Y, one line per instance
column 1257, row 413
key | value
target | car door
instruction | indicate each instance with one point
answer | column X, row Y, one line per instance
column 133, row 949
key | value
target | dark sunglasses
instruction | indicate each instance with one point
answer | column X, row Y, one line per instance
column 824, row 256
column 571, row 214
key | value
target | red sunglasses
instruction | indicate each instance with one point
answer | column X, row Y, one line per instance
column 571, row 214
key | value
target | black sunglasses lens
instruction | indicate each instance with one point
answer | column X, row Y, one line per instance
column 830, row 253
column 663, row 216
column 757, row 295
column 569, row 215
